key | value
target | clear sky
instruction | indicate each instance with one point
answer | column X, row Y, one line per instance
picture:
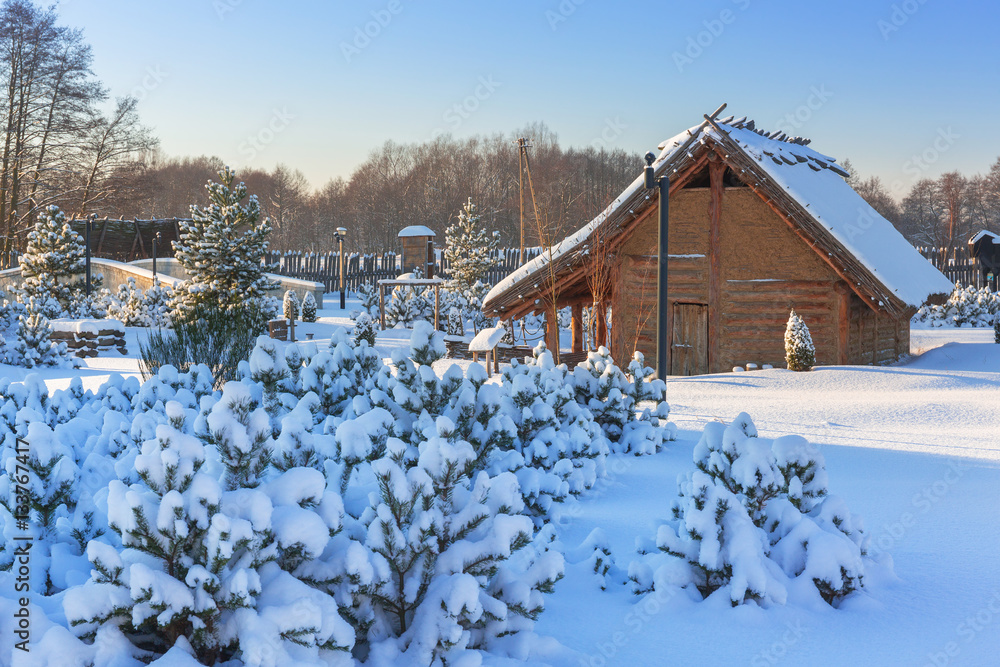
column 905, row 89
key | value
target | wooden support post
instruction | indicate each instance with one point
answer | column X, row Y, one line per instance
column 577, row 327
column 496, row 361
column 437, row 291
column 552, row 336
column 843, row 291
column 381, row 304
column 291, row 329
column 716, row 169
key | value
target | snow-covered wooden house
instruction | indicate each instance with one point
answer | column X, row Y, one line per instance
column 758, row 224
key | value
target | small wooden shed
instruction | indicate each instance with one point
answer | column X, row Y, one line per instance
column 417, row 246
column 984, row 246
column 758, row 224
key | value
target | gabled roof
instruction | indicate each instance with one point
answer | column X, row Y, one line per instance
column 983, row 234
column 806, row 187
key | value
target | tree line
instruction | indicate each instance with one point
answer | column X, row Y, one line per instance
column 939, row 212
column 67, row 143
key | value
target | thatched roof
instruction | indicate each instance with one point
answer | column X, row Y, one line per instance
column 805, row 187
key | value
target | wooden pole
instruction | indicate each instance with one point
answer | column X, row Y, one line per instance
column 552, row 336
column 576, row 325
column 437, row 291
column 381, row 304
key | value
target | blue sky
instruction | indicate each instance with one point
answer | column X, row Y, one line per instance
column 904, row 89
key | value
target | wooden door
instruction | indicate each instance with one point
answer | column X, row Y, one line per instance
column 689, row 339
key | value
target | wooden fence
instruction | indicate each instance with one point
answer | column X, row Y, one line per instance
column 957, row 266
column 367, row 269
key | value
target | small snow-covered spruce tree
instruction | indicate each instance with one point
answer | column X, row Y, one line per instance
column 454, row 324
column 128, row 305
column 368, row 293
column 445, row 540
column 54, row 255
column 33, row 346
column 209, row 570
column 220, row 248
column 996, row 328
column 290, row 307
column 800, row 353
column 309, row 308
column 754, row 519
column 364, row 329
column 471, row 250
column 241, row 431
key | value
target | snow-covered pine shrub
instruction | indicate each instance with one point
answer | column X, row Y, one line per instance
column 613, row 397
column 240, row 430
column 800, row 353
column 220, row 249
column 407, row 305
column 996, row 328
column 454, row 325
column 342, row 373
column 214, row 569
column 559, row 448
column 33, row 345
column 754, row 520
column 965, row 306
column 52, row 261
column 309, row 308
column 444, row 535
column 39, row 484
column 364, row 329
column 218, row 339
column 290, row 306
column 471, row 248
column 156, row 304
column 127, row 305
column 368, row 294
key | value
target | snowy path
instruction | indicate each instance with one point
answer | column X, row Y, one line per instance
column 914, row 449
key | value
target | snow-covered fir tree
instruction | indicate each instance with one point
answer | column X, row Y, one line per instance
column 471, row 250
column 127, row 305
column 996, row 329
column 290, row 307
column 54, row 258
column 210, row 568
column 368, row 294
column 800, row 353
column 444, row 536
column 755, row 520
column 33, row 345
column 309, row 308
column 220, row 248
column 364, row 329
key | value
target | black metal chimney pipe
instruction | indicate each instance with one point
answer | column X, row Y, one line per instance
column 662, row 335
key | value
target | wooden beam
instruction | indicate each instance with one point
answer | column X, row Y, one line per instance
column 843, row 291
column 716, row 169
column 577, row 327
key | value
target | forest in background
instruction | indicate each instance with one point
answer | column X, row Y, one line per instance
column 66, row 142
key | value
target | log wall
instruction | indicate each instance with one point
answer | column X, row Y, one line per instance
column 756, row 270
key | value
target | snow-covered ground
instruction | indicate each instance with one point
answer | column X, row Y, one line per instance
column 913, row 448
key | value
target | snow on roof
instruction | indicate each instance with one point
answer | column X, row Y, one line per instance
column 812, row 179
column 869, row 237
column 983, row 233
column 415, row 230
